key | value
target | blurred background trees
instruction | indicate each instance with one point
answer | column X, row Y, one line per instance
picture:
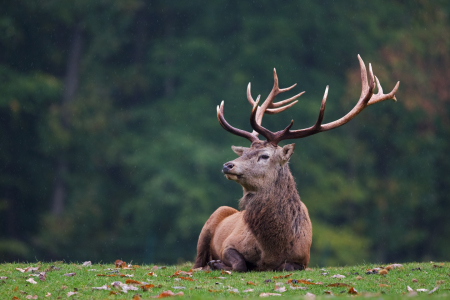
column 110, row 147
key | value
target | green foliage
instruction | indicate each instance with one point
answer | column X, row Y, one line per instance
column 143, row 148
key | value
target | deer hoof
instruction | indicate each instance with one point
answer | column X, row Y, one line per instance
column 215, row 264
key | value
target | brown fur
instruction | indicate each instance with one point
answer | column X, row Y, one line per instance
column 273, row 230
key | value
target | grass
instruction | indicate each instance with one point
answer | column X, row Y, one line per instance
column 215, row 284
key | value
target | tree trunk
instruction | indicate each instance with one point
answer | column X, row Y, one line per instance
column 70, row 87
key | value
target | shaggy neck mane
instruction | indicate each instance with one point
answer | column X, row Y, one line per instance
column 274, row 212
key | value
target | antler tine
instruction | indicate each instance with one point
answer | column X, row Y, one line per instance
column 252, row 138
column 380, row 96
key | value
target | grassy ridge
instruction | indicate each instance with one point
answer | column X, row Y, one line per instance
column 216, row 284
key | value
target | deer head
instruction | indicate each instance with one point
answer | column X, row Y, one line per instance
column 260, row 164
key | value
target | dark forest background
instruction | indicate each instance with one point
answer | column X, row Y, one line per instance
column 110, row 146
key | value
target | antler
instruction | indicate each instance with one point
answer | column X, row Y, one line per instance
column 268, row 106
column 367, row 98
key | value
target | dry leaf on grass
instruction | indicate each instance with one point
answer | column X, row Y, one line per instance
column 352, row 291
column 70, row 274
column 294, row 287
column 42, row 276
column 70, row 294
column 282, row 276
column 383, row 285
column 168, row 294
column 338, row 276
column 280, row 289
column 250, row 283
column 433, row 290
column 268, row 294
column 3, row 277
column 310, row 295
column 339, row 284
column 48, row 294
column 31, row 297
column 103, row 287
column 248, row 290
column 31, row 280
column 383, row 272
column 131, row 281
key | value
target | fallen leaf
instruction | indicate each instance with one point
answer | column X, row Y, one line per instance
column 383, row 285
column 63, row 287
column 225, row 272
column 103, row 287
column 20, row 270
column 42, row 276
column 120, row 264
column 179, row 287
column 422, row 290
column 70, row 294
column 31, row 297
column 250, row 283
column 179, row 272
column 306, row 282
column 87, row 263
column 310, row 295
column 280, row 289
column 113, row 293
column 383, row 272
column 338, row 276
column 3, row 277
column 339, row 284
column 151, row 274
column 146, row 287
column 215, row 291
column 136, row 297
column 282, row 276
column 329, row 293
column 352, row 291
column 131, row 281
column 248, row 290
column 233, row 290
column 294, row 287
column 186, row 278
column 31, row 280
column 433, row 290
column 358, row 278
column 48, row 294
column 409, row 289
column 70, row 274
column 393, row 266
column 126, row 275
column 15, row 298
column 169, row 294
column 268, row 294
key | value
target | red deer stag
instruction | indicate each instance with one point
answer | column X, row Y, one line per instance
column 273, row 230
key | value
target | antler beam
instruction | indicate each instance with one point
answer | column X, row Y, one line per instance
column 367, row 98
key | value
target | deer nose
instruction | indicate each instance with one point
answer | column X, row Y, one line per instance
column 227, row 167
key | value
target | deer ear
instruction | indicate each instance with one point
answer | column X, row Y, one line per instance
column 286, row 153
column 238, row 150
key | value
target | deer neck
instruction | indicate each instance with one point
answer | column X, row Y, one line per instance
column 273, row 213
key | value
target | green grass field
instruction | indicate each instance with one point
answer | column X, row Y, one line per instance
column 75, row 281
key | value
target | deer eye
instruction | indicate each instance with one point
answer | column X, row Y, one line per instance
column 264, row 156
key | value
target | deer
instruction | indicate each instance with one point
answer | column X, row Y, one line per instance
column 272, row 230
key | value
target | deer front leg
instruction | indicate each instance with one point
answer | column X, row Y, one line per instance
column 232, row 260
